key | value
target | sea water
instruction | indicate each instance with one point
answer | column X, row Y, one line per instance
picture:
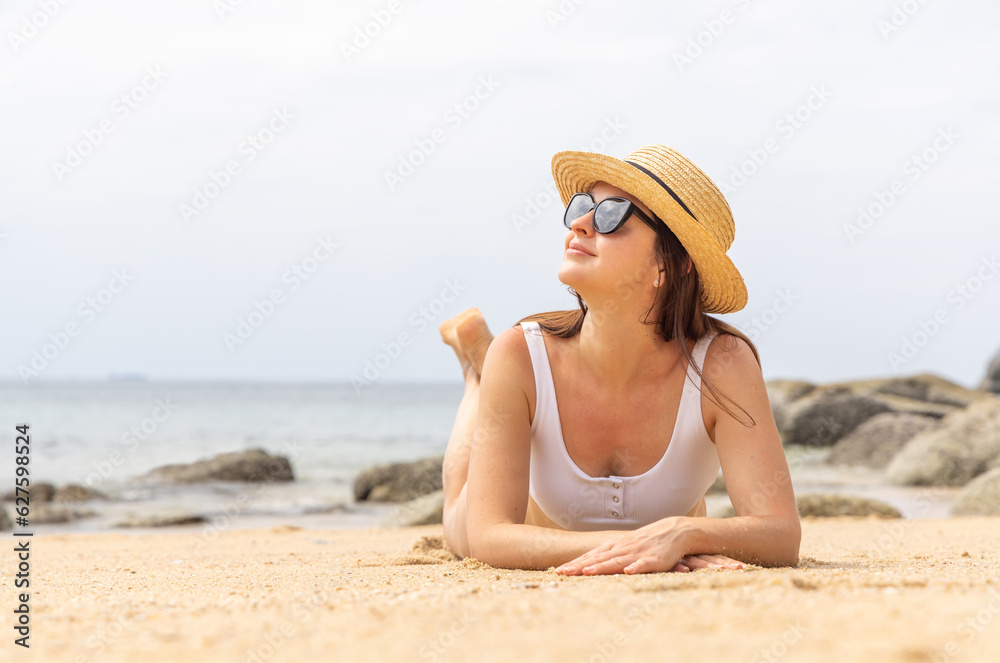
column 104, row 435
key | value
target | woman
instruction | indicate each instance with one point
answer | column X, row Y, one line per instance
column 585, row 440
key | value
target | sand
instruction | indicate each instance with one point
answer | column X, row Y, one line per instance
column 865, row 590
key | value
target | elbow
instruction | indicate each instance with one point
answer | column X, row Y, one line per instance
column 792, row 542
column 480, row 545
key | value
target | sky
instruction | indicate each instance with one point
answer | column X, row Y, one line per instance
column 300, row 191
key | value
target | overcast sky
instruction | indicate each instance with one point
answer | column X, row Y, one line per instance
column 173, row 173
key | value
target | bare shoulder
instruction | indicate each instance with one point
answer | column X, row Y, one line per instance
column 508, row 363
column 730, row 365
column 728, row 354
column 509, row 348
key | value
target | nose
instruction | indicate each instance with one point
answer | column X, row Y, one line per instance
column 583, row 224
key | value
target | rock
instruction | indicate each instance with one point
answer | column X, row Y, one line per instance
column 781, row 393
column 37, row 492
column 725, row 512
column 830, row 505
column 929, row 388
column 399, row 482
column 992, row 380
column 835, row 504
column 52, row 513
column 718, row 487
column 163, row 520
column 252, row 465
column 876, row 441
column 962, row 446
column 424, row 510
column 828, row 413
column 980, row 497
column 73, row 493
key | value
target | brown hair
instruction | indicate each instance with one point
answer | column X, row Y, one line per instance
column 681, row 314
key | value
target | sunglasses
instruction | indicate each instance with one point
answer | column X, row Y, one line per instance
column 609, row 214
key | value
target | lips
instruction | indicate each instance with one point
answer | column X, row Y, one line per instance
column 579, row 247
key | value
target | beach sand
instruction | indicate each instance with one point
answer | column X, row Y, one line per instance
column 865, row 590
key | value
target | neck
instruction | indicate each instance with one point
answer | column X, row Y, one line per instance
column 621, row 352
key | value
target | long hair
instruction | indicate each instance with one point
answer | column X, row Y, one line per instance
column 681, row 313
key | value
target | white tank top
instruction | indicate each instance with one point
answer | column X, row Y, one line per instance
column 577, row 501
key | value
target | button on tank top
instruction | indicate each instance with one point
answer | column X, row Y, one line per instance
column 577, row 501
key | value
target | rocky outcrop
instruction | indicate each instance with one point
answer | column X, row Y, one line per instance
column 781, row 393
column 981, row 497
column 992, row 380
column 399, row 482
column 828, row 413
column 73, row 493
column 41, row 491
column 828, row 505
column 162, row 520
column 877, row 440
column 962, row 446
column 424, row 510
column 253, row 465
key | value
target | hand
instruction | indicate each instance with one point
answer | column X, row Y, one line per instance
column 653, row 548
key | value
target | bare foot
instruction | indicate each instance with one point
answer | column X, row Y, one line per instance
column 449, row 335
column 474, row 337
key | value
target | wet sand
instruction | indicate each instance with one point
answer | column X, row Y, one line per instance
column 865, row 589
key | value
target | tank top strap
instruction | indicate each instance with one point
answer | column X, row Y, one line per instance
column 699, row 353
column 544, row 386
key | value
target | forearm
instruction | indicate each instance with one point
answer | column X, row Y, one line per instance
column 760, row 540
column 514, row 546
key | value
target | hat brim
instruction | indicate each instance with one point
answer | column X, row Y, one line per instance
column 723, row 288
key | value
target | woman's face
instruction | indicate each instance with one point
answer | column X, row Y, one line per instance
column 613, row 267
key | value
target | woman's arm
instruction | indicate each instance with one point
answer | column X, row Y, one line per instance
column 497, row 489
column 766, row 530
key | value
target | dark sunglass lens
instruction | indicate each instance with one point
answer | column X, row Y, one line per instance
column 610, row 214
column 578, row 206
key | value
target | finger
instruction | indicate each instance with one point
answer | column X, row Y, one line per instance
column 722, row 560
column 696, row 562
column 597, row 557
column 614, row 565
column 639, row 566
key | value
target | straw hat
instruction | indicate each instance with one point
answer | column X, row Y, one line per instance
column 681, row 195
